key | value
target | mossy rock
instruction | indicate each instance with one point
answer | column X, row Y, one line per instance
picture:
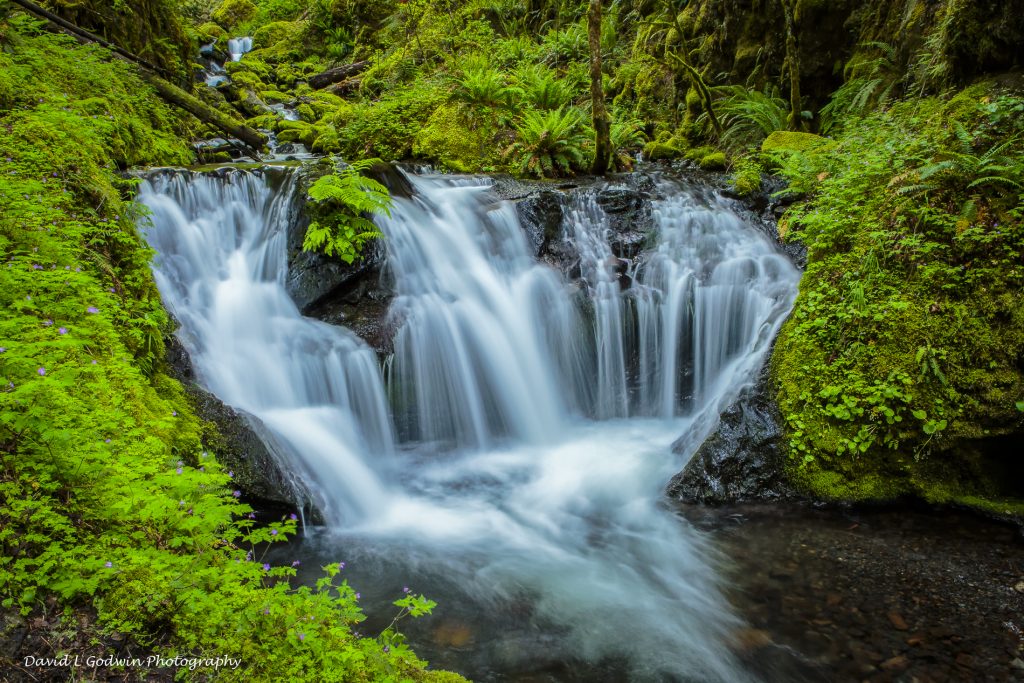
column 327, row 140
column 715, row 161
column 324, row 103
column 448, row 139
column 211, row 32
column 306, row 113
column 249, row 64
column 274, row 96
column 232, row 13
column 747, row 178
column 266, row 122
column 791, row 141
column 273, row 33
column 246, row 80
column 656, row 151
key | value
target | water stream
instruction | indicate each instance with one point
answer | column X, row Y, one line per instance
column 510, row 457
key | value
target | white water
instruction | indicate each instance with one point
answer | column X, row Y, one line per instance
column 238, row 47
column 505, row 484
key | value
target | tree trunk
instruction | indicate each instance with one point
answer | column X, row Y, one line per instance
column 602, row 125
column 796, row 107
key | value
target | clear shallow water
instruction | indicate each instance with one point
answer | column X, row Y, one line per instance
column 510, row 459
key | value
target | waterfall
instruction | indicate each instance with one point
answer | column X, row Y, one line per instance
column 238, row 47
column 515, row 449
column 220, row 270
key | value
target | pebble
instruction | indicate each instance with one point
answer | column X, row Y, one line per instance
column 897, row 621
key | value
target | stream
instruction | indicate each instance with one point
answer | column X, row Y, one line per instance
column 509, row 458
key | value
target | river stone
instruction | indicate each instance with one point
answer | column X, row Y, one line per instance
column 742, row 460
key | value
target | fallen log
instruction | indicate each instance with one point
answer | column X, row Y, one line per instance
column 168, row 91
column 346, row 87
column 338, row 73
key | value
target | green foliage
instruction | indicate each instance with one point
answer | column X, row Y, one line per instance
column 232, row 13
column 109, row 499
column 550, row 143
column 749, row 116
column 485, row 88
column 343, row 200
column 746, row 177
column 901, row 341
column 871, row 78
column 541, row 87
column 626, row 134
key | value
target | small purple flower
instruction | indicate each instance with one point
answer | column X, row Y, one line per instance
column 48, row 322
column 181, row 503
column 302, row 636
column 266, row 567
column 174, row 413
column 92, row 309
column 405, row 589
column 341, row 565
column 251, row 515
column 296, row 563
column 202, row 469
column 94, row 361
column 41, row 371
column 236, row 494
column 273, row 532
column 231, row 474
column 387, row 648
column 108, row 564
column 3, row 349
column 181, row 463
column 358, row 595
column 36, row 266
column 266, row 610
column 62, row 330
column 293, row 516
column 112, row 290
column 106, row 440
column 178, row 470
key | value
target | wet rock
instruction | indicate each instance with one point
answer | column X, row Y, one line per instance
column 630, row 219
column 742, row 460
column 240, row 441
column 541, row 214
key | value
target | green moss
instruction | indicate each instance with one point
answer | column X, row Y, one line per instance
column 232, row 13
column 210, row 32
column 275, row 96
column 746, row 179
column 306, row 113
column 715, row 161
column 790, row 141
column 666, row 149
column 449, row 139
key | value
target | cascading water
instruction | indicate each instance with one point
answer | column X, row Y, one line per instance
column 238, row 47
column 221, row 271
column 535, row 420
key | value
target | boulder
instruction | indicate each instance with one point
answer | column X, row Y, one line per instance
column 240, row 441
column 540, row 214
column 743, row 459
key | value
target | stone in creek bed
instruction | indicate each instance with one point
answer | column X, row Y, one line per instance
column 897, row 621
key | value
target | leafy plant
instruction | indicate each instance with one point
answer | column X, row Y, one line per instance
column 343, row 200
column 550, row 143
column 748, row 116
column 541, row 87
column 626, row 134
column 485, row 88
column 871, row 78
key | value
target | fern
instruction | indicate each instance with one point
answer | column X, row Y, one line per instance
column 871, row 80
column 626, row 133
column 485, row 88
column 541, row 88
column 748, row 116
column 550, row 143
column 344, row 201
